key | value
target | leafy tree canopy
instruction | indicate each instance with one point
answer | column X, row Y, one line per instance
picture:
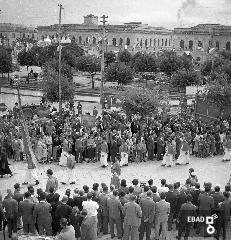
column 5, row 60
column 110, row 57
column 119, row 72
column 125, row 56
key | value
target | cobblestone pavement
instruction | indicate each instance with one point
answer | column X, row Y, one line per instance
column 209, row 169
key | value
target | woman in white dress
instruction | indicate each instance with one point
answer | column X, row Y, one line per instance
column 104, row 153
column 184, row 153
column 168, row 156
column 227, row 149
column 64, row 154
column 124, row 154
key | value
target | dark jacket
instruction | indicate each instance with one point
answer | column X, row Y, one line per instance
column 186, row 210
column 172, row 198
column 26, row 209
column 11, row 208
column 148, row 209
column 114, row 207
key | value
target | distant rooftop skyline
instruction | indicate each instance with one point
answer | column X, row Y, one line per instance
column 165, row 13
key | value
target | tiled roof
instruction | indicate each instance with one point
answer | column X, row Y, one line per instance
column 10, row 27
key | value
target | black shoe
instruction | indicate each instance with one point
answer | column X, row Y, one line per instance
column 178, row 164
column 187, row 163
column 169, row 166
column 72, row 183
column 163, row 165
column 25, row 183
column 63, row 183
column 126, row 165
column 36, row 182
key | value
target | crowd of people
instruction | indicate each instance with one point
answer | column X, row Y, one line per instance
column 113, row 134
column 144, row 208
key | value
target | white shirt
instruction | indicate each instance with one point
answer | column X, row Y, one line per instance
column 163, row 189
column 91, row 208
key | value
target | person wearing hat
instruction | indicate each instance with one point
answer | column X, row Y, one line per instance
column 51, row 181
column 132, row 215
column 88, row 228
column 67, row 232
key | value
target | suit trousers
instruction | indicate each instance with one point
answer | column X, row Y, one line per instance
column 184, row 227
column 170, row 220
column 104, row 224
column 145, row 227
column 221, row 224
column 116, row 222
column 163, row 225
column 28, row 228
column 45, row 228
column 12, row 225
column 131, row 230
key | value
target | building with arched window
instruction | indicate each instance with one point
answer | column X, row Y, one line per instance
column 135, row 35
column 201, row 38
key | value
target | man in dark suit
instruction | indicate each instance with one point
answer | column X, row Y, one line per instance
column 113, row 149
column 187, row 211
column 42, row 212
column 78, row 200
column 206, row 206
column 172, row 198
column 195, row 194
column 63, row 210
column 161, row 216
column 148, row 213
column 26, row 209
column 218, row 197
column 18, row 196
column 132, row 214
column 10, row 206
column 50, row 196
column 114, row 208
column 103, row 221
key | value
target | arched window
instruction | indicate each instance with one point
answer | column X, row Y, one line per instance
column 141, row 42
column 200, row 44
column 169, row 42
column 227, row 46
column 121, row 42
column 146, row 43
column 158, row 42
column 114, row 41
column 150, row 42
column 128, row 42
column 182, row 44
column 42, row 38
column 166, row 42
column 162, row 42
column 94, row 40
column 190, row 45
column 154, row 42
column 80, row 39
column 217, row 45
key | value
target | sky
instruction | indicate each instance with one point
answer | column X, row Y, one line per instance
column 166, row 13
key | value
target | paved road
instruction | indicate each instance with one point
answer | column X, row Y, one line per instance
column 210, row 169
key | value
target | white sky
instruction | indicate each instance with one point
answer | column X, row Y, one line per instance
column 154, row 12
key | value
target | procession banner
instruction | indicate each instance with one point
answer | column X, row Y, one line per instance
column 88, row 120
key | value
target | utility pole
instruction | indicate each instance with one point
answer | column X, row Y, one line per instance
column 104, row 17
column 60, row 58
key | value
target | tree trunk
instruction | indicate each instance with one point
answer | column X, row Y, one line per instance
column 92, row 82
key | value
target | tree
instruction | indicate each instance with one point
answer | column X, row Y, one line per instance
column 206, row 68
column 5, row 60
column 183, row 78
column 119, row 72
column 169, row 62
column 90, row 64
column 144, row 62
column 110, row 57
column 27, row 58
column 219, row 92
column 124, row 56
column 142, row 101
column 50, row 86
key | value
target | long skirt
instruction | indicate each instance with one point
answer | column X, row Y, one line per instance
column 63, row 159
column 124, row 159
column 167, row 160
column 70, row 176
column 183, row 158
column 103, row 159
column 227, row 155
column 31, row 175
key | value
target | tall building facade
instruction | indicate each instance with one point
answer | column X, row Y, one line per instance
column 133, row 36
column 198, row 40
column 9, row 33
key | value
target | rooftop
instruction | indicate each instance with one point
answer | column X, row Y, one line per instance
column 10, row 27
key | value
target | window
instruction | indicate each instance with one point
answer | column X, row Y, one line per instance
column 128, row 42
column 158, row 42
column 94, row 40
column 190, row 45
column 114, row 41
column 80, row 39
column 154, row 42
column 141, row 42
column 23, row 35
column 162, row 42
column 32, row 36
column 13, row 35
column 210, row 44
column 166, row 42
column 182, row 44
column 169, row 42
column 121, row 42
column 200, row 44
column 217, row 45
column 146, row 43
column 150, row 42
column 227, row 46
